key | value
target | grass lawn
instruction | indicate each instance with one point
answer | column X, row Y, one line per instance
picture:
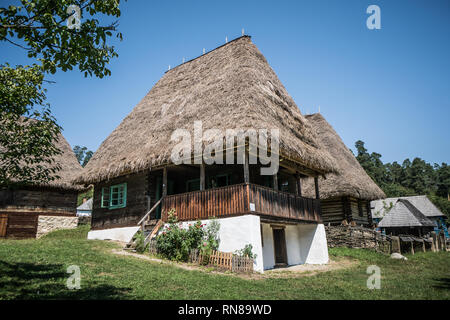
column 36, row 269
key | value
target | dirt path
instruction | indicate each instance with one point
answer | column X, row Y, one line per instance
column 304, row 270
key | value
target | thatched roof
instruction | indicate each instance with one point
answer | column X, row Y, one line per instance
column 351, row 179
column 70, row 167
column 231, row 87
column 405, row 214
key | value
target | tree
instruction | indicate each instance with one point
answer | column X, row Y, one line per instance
column 83, row 155
column 415, row 177
column 40, row 28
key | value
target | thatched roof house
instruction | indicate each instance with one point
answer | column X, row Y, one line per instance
column 231, row 87
column 29, row 210
column 346, row 194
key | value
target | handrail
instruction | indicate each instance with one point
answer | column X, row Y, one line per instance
column 151, row 210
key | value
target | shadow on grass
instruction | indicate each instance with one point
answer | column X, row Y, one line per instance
column 442, row 283
column 23, row 281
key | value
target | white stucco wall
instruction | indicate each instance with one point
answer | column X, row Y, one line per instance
column 118, row 234
column 236, row 232
column 305, row 243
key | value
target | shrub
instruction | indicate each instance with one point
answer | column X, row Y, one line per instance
column 246, row 252
column 141, row 247
column 176, row 242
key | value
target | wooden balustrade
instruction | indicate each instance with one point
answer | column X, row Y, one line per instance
column 241, row 199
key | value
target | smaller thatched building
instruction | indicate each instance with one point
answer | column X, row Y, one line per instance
column 347, row 194
column 32, row 210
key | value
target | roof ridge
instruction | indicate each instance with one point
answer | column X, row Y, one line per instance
column 208, row 52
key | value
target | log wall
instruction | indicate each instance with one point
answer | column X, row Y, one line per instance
column 136, row 205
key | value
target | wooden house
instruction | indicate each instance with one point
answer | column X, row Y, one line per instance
column 412, row 215
column 231, row 87
column 346, row 195
column 32, row 210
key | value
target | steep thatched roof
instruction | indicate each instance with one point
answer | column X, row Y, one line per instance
column 70, row 167
column 351, row 179
column 405, row 214
column 231, row 87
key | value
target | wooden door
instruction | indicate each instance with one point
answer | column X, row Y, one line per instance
column 279, row 241
column 3, row 224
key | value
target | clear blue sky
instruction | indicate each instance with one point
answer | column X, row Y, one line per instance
column 388, row 87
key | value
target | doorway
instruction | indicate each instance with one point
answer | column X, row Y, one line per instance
column 279, row 245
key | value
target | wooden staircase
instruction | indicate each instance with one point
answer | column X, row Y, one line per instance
column 149, row 227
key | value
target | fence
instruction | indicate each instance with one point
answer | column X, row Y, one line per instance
column 360, row 237
column 223, row 260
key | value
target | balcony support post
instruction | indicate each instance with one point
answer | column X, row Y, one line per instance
column 202, row 176
column 298, row 184
column 164, row 186
column 275, row 181
column 316, row 183
column 246, row 168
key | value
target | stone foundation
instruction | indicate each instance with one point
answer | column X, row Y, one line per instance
column 48, row 224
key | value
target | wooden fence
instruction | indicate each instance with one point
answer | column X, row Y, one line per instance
column 223, row 260
column 360, row 237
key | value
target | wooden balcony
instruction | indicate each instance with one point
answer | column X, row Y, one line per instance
column 242, row 199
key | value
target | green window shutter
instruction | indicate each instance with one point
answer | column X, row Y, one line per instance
column 105, row 198
column 118, row 196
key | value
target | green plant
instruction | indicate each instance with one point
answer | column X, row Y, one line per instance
column 176, row 242
column 141, row 246
column 246, row 252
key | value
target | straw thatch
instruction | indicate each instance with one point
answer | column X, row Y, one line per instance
column 351, row 179
column 70, row 167
column 231, row 87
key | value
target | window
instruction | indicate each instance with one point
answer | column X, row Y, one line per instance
column 360, row 208
column 193, row 185
column 118, row 196
column 105, row 198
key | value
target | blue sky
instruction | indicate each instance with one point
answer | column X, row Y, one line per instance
column 389, row 87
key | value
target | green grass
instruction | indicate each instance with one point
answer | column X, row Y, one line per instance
column 36, row 269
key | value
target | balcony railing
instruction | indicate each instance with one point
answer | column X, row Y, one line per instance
column 241, row 199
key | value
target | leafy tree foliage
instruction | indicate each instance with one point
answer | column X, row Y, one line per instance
column 40, row 28
column 83, row 155
column 27, row 128
column 414, row 177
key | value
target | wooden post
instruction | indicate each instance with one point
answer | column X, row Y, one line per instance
column 299, row 185
column 275, row 181
column 246, row 168
column 164, row 191
column 202, row 176
column 316, row 183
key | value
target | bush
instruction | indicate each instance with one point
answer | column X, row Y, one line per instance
column 246, row 252
column 140, row 242
column 176, row 242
